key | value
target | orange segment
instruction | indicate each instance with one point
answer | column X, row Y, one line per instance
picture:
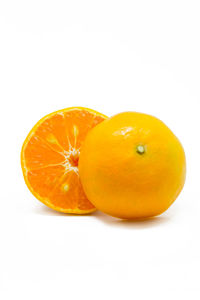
column 50, row 155
column 37, row 152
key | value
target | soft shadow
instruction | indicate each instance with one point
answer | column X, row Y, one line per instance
column 139, row 224
column 108, row 220
column 47, row 211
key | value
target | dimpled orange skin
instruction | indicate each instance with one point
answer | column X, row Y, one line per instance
column 132, row 166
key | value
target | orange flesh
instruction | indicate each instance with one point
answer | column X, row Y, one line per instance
column 50, row 157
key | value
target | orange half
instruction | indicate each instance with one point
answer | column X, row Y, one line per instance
column 49, row 159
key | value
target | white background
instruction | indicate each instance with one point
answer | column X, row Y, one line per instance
column 111, row 56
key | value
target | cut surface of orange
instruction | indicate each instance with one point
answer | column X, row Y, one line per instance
column 49, row 159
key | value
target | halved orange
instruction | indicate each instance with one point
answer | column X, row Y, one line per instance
column 49, row 159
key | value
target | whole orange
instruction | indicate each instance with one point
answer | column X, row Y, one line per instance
column 132, row 166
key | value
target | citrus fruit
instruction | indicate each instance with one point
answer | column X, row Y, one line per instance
column 49, row 159
column 132, row 166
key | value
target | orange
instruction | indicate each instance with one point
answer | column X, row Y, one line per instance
column 132, row 166
column 49, row 159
